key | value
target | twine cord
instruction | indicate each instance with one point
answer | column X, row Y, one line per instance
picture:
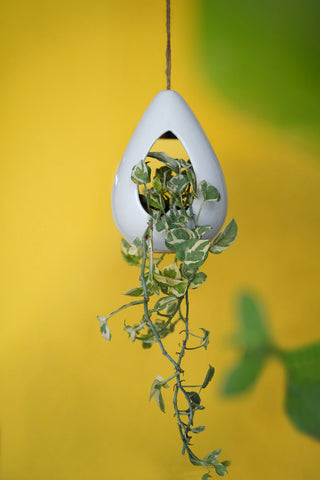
column 168, row 51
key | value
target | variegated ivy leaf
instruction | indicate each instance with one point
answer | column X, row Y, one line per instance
column 156, row 200
column 152, row 288
column 167, row 305
column 156, row 215
column 200, row 231
column 195, row 460
column 175, row 219
column 193, row 253
column 133, row 330
column 192, row 179
column 178, row 183
column 220, row 468
column 178, row 287
column 135, row 292
column 198, row 429
column 225, row 238
column 155, row 391
column 104, row 329
column 198, row 280
column 209, row 192
column 172, row 271
column 132, row 252
column 205, row 338
column 161, row 224
column 164, row 158
column 161, row 280
column 141, row 173
column 212, row 457
column 177, row 236
column 157, row 184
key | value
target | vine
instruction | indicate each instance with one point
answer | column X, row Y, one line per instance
column 168, row 197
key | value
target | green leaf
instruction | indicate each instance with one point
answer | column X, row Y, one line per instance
column 156, row 392
column 162, row 224
column 245, row 374
column 132, row 252
column 172, row 271
column 178, row 183
column 206, row 476
column 303, row 388
column 195, row 460
column 212, row 457
column 176, row 236
column 175, row 218
column 225, row 238
column 208, row 377
column 133, row 330
column 104, row 329
column 254, row 332
column 178, row 287
column 200, row 231
column 164, row 158
column 194, row 398
column 198, row 429
column 156, row 200
column 193, row 253
column 157, row 185
column 167, row 304
column 135, row 292
column 220, row 469
column 209, row 193
column 141, row 173
column 205, row 338
column 198, row 280
column 192, row 178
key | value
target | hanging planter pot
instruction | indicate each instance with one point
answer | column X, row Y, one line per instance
column 168, row 112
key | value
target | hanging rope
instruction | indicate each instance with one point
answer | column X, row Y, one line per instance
column 168, row 52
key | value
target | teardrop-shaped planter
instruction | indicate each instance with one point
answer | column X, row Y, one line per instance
column 167, row 112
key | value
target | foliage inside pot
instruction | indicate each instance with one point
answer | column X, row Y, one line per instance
column 164, row 287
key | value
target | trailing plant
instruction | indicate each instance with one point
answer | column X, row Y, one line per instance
column 164, row 288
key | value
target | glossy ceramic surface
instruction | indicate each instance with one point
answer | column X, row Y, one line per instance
column 167, row 112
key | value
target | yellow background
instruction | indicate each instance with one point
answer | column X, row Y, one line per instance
column 76, row 78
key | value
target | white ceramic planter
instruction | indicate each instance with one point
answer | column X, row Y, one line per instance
column 167, row 112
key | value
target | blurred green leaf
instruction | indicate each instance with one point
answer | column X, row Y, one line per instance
column 254, row 332
column 302, row 401
column 220, row 469
column 206, row 476
column 271, row 48
column 198, row 429
column 245, row 374
column 213, row 456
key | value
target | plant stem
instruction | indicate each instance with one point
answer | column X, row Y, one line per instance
column 146, row 298
column 197, row 219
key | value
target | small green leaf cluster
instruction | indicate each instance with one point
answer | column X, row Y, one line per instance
column 163, row 289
